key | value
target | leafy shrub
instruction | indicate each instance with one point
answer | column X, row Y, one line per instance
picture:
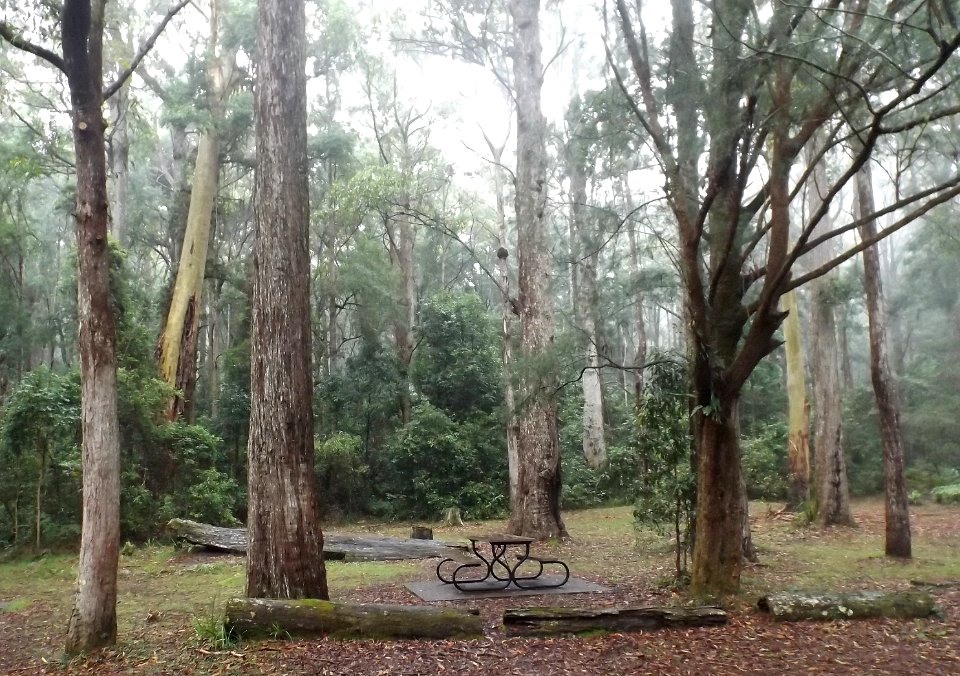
column 945, row 495
column 342, row 474
column 764, row 460
column 434, row 463
column 667, row 487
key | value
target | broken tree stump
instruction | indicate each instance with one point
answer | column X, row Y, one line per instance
column 789, row 606
column 335, row 545
column 547, row 621
column 421, row 533
column 252, row 618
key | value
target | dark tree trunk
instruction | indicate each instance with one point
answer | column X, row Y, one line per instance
column 719, row 551
column 93, row 622
column 285, row 557
column 537, row 509
column 552, row 621
column 896, row 503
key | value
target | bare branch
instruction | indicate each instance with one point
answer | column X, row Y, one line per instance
column 144, row 50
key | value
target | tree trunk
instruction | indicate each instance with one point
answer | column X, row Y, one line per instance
column 312, row 617
column 832, row 490
column 718, row 552
column 896, row 503
column 177, row 349
column 798, row 438
column 790, row 606
column 537, row 509
column 506, row 323
column 551, row 621
column 285, row 556
column 584, row 288
column 93, row 621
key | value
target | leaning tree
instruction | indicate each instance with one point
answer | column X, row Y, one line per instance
column 744, row 88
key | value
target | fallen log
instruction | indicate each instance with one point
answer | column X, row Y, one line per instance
column 789, row 606
column 547, row 621
column 335, row 545
column 251, row 618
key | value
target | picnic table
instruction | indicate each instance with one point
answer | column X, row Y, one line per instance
column 492, row 568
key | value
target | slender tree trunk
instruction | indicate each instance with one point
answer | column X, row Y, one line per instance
column 93, row 621
column 832, row 490
column 537, row 509
column 896, row 503
column 285, row 550
column 584, row 258
column 798, row 437
column 506, row 323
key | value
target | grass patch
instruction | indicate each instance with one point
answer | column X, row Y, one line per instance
column 14, row 606
column 342, row 576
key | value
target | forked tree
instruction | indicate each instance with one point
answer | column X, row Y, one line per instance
column 745, row 87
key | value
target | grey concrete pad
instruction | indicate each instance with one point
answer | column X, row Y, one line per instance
column 435, row 590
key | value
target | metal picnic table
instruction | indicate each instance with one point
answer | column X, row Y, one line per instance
column 492, row 568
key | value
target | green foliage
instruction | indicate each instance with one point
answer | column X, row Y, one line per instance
column 342, row 475
column 764, row 462
column 947, row 494
column 667, row 486
column 457, row 363
column 434, row 463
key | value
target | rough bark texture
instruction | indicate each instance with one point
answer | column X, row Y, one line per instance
column 537, row 509
column 852, row 605
column 798, row 438
column 335, row 545
column 718, row 553
column 285, row 558
column 93, row 621
column 312, row 617
column 896, row 502
column 549, row 621
column 832, row 490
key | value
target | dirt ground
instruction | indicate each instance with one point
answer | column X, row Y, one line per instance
column 31, row 637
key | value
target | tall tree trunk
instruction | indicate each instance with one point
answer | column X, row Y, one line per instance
column 798, row 437
column 285, row 550
column 537, row 509
column 402, row 234
column 896, row 504
column 584, row 259
column 506, row 322
column 639, row 321
column 177, row 348
column 93, row 621
column 832, row 490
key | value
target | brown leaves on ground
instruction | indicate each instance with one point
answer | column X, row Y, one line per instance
column 750, row 643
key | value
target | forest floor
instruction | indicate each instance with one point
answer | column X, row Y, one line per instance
column 170, row 602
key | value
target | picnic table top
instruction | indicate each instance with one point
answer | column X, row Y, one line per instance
column 500, row 539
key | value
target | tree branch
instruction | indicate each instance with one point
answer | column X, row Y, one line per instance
column 10, row 35
column 144, row 50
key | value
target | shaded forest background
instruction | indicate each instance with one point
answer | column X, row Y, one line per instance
column 411, row 250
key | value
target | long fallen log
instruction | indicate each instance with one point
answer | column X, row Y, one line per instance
column 788, row 606
column 335, row 545
column 251, row 618
column 547, row 621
